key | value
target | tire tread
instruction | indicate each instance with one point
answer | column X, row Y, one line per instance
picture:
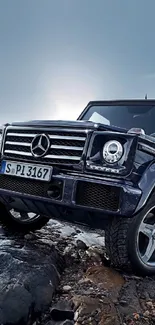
column 116, row 242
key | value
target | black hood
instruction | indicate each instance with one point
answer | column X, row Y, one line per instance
column 69, row 124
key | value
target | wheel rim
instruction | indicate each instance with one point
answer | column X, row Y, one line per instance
column 24, row 217
column 146, row 238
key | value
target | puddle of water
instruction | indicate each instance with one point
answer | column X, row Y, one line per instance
column 107, row 278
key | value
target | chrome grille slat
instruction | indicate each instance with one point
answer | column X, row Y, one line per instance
column 21, row 135
column 50, row 136
column 18, row 143
column 27, row 154
column 55, row 129
column 66, row 145
column 67, row 138
column 63, row 157
column 27, row 144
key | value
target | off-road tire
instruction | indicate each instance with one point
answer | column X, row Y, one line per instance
column 116, row 243
column 121, row 242
column 14, row 226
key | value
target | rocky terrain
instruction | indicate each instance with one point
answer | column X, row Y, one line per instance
column 60, row 275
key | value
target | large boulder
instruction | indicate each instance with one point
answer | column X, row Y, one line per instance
column 30, row 270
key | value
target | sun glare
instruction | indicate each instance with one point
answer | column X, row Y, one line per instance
column 70, row 88
column 68, row 110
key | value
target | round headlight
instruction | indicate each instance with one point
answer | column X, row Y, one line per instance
column 112, row 151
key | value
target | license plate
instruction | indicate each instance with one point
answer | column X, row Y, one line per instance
column 25, row 170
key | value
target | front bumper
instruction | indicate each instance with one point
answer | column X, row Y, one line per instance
column 109, row 196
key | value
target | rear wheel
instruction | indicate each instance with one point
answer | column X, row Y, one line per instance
column 130, row 242
column 21, row 221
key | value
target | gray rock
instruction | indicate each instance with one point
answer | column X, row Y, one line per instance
column 29, row 274
column 62, row 311
column 81, row 245
column 15, row 305
column 66, row 322
column 67, row 288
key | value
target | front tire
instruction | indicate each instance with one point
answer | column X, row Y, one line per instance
column 130, row 242
column 20, row 221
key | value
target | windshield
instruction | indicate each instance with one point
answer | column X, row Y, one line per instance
column 124, row 116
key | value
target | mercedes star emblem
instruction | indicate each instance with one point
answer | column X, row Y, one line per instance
column 40, row 145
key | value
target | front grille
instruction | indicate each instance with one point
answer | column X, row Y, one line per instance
column 99, row 196
column 24, row 186
column 66, row 145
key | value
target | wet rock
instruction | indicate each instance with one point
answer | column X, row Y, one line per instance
column 123, row 303
column 81, row 245
column 66, row 322
column 62, row 311
column 78, row 231
column 71, row 255
column 149, row 304
column 76, row 315
column 146, row 314
column 29, row 274
column 18, row 301
column 67, row 288
column 96, row 255
column 74, row 233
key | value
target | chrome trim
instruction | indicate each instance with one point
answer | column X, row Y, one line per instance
column 25, row 144
column 21, row 153
column 47, row 128
column 28, row 154
column 26, row 135
column 44, row 148
column 73, row 135
column 63, row 157
column 66, row 147
column 147, row 148
column 31, row 135
column 65, row 137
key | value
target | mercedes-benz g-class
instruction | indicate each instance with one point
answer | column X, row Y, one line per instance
column 98, row 170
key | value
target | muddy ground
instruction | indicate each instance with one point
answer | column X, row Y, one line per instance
column 90, row 291
column 60, row 275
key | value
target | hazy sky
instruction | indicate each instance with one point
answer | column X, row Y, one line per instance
column 56, row 55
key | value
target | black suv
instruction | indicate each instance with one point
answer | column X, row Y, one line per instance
column 98, row 171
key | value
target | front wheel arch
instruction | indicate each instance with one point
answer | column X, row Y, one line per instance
column 147, row 186
column 120, row 240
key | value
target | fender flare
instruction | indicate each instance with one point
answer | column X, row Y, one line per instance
column 147, row 186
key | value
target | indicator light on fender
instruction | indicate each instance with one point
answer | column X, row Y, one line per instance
column 136, row 131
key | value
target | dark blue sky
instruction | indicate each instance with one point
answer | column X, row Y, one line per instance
column 56, row 55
